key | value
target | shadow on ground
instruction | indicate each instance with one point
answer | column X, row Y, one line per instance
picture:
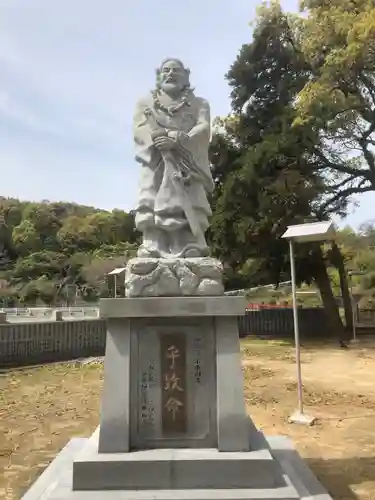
column 341, row 476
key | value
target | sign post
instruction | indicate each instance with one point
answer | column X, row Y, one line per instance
column 303, row 233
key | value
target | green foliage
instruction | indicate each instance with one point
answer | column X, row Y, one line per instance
column 9, row 296
column 368, row 281
column 261, row 166
column 43, row 263
column 338, row 101
column 25, row 238
column 47, row 250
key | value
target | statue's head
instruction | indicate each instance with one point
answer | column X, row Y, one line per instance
column 172, row 76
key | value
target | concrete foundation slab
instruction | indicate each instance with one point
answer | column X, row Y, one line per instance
column 300, row 484
column 175, row 469
column 301, row 418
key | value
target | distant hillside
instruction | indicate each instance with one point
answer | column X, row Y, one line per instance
column 50, row 249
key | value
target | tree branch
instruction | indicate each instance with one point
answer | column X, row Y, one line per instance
column 344, row 169
column 366, row 82
column 345, row 193
column 370, row 159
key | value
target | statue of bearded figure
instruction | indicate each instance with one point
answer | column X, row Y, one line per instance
column 172, row 132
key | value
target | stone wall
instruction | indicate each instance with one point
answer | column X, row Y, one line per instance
column 33, row 342
column 279, row 323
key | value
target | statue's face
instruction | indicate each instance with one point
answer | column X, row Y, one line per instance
column 173, row 77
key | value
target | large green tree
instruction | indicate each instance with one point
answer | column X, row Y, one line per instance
column 263, row 166
column 260, row 166
column 337, row 39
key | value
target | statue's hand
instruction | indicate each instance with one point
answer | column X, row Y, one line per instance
column 182, row 137
column 178, row 136
column 164, row 143
column 159, row 132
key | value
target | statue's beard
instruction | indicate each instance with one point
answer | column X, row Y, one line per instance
column 171, row 87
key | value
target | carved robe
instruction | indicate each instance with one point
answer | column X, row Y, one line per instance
column 159, row 205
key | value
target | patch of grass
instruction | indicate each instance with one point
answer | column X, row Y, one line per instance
column 269, row 351
column 41, row 409
column 316, row 397
column 252, row 372
column 265, row 342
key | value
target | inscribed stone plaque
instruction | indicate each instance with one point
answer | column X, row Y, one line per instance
column 149, row 408
column 173, row 381
column 173, row 408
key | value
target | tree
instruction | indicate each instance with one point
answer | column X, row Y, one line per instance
column 43, row 263
column 76, row 234
column 338, row 101
column 337, row 259
column 46, row 290
column 124, row 227
column 263, row 166
column 25, row 238
column 10, row 216
column 93, row 230
column 30, row 293
column 257, row 162
column 45, row 222
column 8, row 296
column 4, row 245
column 96, row 271
column 102, row 227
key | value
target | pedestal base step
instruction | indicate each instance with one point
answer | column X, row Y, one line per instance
column 56, row 482
column 174, row 469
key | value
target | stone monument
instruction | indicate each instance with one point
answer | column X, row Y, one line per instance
column 172, row 131
column 173, row 421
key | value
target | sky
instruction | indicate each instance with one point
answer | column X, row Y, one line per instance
column 71, row 72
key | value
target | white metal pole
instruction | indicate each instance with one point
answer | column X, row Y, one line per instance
column 353, row 309
column 354, row 315
column 296, row 328
column 115, row 286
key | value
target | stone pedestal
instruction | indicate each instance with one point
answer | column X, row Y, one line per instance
column 180, row 357
column 151, row 277
column 173, row 420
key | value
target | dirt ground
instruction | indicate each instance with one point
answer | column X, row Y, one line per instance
column 42, row 408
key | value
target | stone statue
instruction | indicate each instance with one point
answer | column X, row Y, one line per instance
column 172, row 131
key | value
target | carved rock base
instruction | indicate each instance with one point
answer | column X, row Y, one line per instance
column 152, row 277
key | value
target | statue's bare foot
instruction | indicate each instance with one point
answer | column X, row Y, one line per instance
column 194, row 251
column 144, row 251
column 154, row 244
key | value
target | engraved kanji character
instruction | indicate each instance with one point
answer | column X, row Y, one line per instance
column 172, row 353
column 171, row 382
column 173, row 406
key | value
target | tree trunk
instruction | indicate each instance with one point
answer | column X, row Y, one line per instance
column 330, row 305
column 338, row 262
